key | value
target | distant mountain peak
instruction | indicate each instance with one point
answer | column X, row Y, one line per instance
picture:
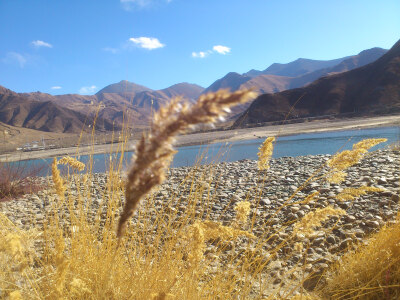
column 124, row 86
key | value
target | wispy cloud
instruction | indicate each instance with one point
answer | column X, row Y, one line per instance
column 149, row 43
column 111, row 50
column 39, row 44
column 15, row 58
column 221, row 49
column 216, row 49
column 132, row 4
column 87, row 89
column 57, row 87
column 201, row 54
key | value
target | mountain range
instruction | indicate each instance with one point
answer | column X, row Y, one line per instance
column 125, row 100
column 371, row 89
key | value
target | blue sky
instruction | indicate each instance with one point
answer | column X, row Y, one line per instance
column 80, row 46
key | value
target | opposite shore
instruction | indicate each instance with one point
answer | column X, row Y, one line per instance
column 203, row 138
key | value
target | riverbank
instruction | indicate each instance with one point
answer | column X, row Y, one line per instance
column 221, row 136
column 223, row 185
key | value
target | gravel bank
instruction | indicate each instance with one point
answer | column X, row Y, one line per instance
column 229, row 183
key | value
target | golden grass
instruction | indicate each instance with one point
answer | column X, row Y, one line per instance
column 171, row 249
column 369, row 272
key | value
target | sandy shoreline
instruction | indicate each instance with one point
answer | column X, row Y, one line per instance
column 222, row 136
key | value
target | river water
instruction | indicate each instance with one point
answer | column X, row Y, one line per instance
column 295, row 145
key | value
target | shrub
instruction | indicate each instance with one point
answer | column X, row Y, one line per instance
column 17, row 179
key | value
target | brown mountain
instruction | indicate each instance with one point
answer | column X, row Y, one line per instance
column 298, row 73
column 363, row 58
column 121, row 101
column 281, row 77
column 370, row 90
column 21, row 111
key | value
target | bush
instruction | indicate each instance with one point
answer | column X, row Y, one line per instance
column 17, row 179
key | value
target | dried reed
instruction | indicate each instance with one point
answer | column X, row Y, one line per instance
column 154, row 153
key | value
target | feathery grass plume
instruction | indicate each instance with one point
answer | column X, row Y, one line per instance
column 265, row 153
column 314, row 219
column 213, row 230
column 348, row 158
column 200, row 232
column 197, row 243
column 58, row 181
column 345, row 159
column 349, row 194
column 79, row 288
column 11, row 244
column 310, row 198
column 76, row 164
column 154, row 152
column 368, row 143
column 242, row 211
column 336, row 177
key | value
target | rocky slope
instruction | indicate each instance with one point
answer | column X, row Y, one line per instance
column 371, row 89
column 120, row 101
column 21, row 111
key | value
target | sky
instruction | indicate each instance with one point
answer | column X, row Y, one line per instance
column 81, row 46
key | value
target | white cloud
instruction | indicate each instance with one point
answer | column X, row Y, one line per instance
column 201, row 54
column 111, row 50
column 221, row 49
column 87, row 89
column 38, row 44
column 14, row 57
column 216, row 49
column 147, row 42
column 57, row 87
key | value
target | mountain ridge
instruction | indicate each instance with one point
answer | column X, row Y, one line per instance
column 373, row 88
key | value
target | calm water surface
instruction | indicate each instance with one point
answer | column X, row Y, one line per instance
column 296, row 145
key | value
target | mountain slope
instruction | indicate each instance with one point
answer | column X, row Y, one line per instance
column 121, row 101
column 232, row 81
column 279, row 77
column 363, row 58
column 187, row 90
column 371, row 89
column 20, row 111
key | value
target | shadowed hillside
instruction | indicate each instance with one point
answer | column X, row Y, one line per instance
column 372, row 89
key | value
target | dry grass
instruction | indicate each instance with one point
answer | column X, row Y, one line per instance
column 17, row 179
column 369, row 272
column 171, row 249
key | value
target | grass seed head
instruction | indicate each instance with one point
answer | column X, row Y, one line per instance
column 76, row 164
column 310, row 221
column 265, row 153
column 349, row 194
column 58, row 181
column 154, row 152
column 242, row 211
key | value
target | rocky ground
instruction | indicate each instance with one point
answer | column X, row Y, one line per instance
column 274, row 209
